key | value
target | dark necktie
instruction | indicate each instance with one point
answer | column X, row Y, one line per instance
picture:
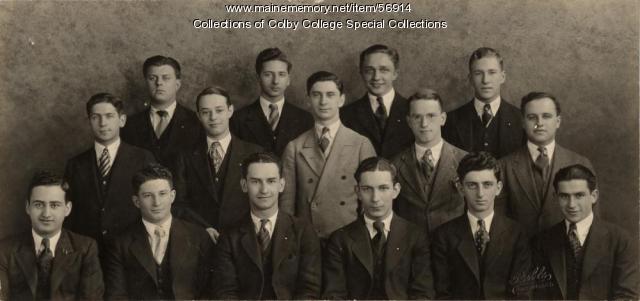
column 428, row 165
column 263, row 236
column 215, row 154
column 324, row 139
column 380, row 239
column 486, row 115
column 482, row 237
column 541, row 171
column 574, row 241
column 45, row 261
column 274, row 115
column 381, row 114
column 162, row 123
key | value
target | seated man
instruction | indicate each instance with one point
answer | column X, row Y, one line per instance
column 159, row 257
column 273, row 255
column 49, row 262
column 380, row 255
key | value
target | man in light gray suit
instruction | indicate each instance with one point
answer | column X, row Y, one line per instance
column 318, row 166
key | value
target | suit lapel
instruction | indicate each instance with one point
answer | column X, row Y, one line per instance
column 280, row 239
column 236, row 154
column 396, row 244
column 560, row 159
column 257, row 122
column 555, row 249
column 341, row 151
column 178, row 240
column 92, row 167
column 250, row 244
column 505, row 126
column 200, row 162
column 65, row 256
column 594, row 250
column 141, row 250
column 311, row 152
column 496, row 241
column 361, row 245
column 117, row 171
column 369, row 123
column 467, row 247
column 410, row 173
column 524, row 175
column 445, row 172
column 395, row 117
column 26, row 257
column 465, row 124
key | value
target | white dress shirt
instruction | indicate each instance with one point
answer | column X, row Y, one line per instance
column 164, row 241
column 111, row 148
column 473, row 222
column 155, row 118
column 53, row 242
column 270, row 224
column 333, row 130
column 224, row 143
column 534, row 152
column 264, row 104
column 372, row 230
column 479, row 105
column 582, row 227
column 387, row 99
column 436, row 151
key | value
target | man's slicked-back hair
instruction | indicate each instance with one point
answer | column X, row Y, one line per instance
column 425, row 94
column 213, row 90
column 376, row 164
column 379, row 48
column 159, row 60
column 324, row 76
column 485, row 52
column 477, row 162
column 48, row 178
column 149, row 172
column 260, row 157
column 531, row 96
column 576, row 172
column 271, row 54
column 105, row 98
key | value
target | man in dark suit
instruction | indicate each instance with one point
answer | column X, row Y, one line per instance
column 589, row 258
column 529, row 197
column 208, row 176
column 273, row 255
column 380, row 114
column 480, row 254
column 100, row 178
column 49, row 262
column 166, row 127
column 427, row 170
column 270, row 121
column 159, row 257
column 488, row 122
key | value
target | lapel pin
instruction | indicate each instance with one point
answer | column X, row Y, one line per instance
column 398, row 249
column 285, row 238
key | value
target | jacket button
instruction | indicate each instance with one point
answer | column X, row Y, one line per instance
column 310, row 181
column 344, row 177
column 342, row 203
column 104, row 232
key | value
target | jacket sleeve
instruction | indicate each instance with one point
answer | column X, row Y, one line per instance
column 288, row 196
column 334, row 276
column 310, row 267
column 421, row 280
column 91, row 282
column 225, row 282
column 439, row 260
column 625, row 270
column 115, row 278
column 366, row 150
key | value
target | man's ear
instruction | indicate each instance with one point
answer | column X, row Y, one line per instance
column 243, row 185
column 136, row 201
column 67, row 209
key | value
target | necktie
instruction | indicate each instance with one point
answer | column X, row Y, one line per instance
column 274, row 115
column 216, row 155
column 379, row 239
column 486, row 115
column 482, row 237
column 45, row 261
column 428, row 165
column 574, row 241
column 104, row 164
column 381, row 114
column 324, row 139
column 263, row 236
column 162, row 124
column 158, row 250
column 542, row 162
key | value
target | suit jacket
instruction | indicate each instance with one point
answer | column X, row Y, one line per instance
column 397, row 134
column 319, row 189
column 75, row 274
column 250, row 124
column 130, row 269
column 348, row 267
column 198, row 200
column 296, row 262
column 93, row 214
column 456, row 261
column 609, row 268
column 519, row 198
column 181, row 133
column 444, row 203
column 458, row 130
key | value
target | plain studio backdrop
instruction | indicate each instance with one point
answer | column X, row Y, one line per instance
column 55, row 55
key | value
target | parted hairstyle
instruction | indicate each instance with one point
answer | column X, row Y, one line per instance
column 48, row 178
column 324, row 76
column 485, row 52
column 477, row 162
column 271, row 54
column 538, row 95
column 379, row 48
column 376, row 164
column 576, row 172
column 425, row 94
column 159, row 60
column 149, row 172
column 213, row 90
column 260, row 157
column 105, row 98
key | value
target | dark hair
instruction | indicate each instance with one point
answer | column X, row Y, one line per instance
column 477, row 162
column 105, row 98
column 485, row 52
column 324, row 76
column 159, row 60
column 538, row 95
column 376, row 164
column 379, row 48
column 48, row 178
column 152, row 171
column 425, row 94
column 213, row 90
column 576, row 172
column 260, row 157
column 271, row 54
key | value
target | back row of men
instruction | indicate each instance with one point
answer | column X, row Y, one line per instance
column 320, row 153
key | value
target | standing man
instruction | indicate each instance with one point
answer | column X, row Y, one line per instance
column 318, row 164
column 479, row 254
column 166, row 127
column 49, row 262
column 427, row 170
column 380, row 255
column 488, row 122
column 208, row 175
column 159, row 257
column 529, row 197
column 270, row 121
column 100, row 178
column 590, row 259
column 273, row 255
column 380, row 114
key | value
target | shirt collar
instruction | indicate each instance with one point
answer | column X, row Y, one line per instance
column 53, row 242
column 270, row 225
column 170, row 110
column 333, row 129
column 473, row 221
column 387, row 99
column 436, row 150
column 264, row 104
column 582, row 226
column 224, row 143
column 372, row 230
column 534, row 152
column 479, row 105
column 111, row 148
column 151, row 227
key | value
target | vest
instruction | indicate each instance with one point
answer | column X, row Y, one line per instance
column 268, row 293
column 486, row 139
column 165, row 280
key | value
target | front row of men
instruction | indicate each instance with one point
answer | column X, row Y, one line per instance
column 481, row 254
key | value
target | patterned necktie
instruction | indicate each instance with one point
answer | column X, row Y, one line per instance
column 104, row 164
column 263, row 236
column 274, row 115
column 162, row 123
column 45, row 261
column 158, row 250
column 542, row 162
column 428, row 165
column 380, row 238
column 381, row 113
column 574, row 241
column 215, row 154
column 324, row 139
column 482, row 237
column 486, row 115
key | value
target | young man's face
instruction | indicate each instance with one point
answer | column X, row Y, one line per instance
column 576, row 201
column 106, row 123
column 425, row 120
column 263, row 185
column 486, row 77
column 47, row 209
column 163, row 84
column 377, row 191
column 154, row 199
column 378, row 73
column 541, row 121
column 480, row 189
column 326, row 100
column 274, row 80
column 214, row 115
